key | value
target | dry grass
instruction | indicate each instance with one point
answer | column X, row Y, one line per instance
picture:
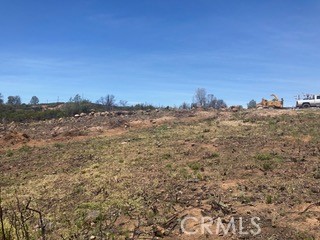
column 131, row 185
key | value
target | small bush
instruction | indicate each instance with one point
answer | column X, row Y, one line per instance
column 263, row 156
column 269, row 199
column 267, row 166
column 195, row 166
column 58, row 145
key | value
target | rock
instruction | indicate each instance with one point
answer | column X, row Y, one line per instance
column 83, row 114
column 57, row 131
column 77, row 116
column 96, row 129
column 92, row 237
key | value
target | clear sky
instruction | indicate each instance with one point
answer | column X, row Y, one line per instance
column 159, row 51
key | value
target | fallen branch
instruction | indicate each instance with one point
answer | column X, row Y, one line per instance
column 42, row 225
column 310, row 206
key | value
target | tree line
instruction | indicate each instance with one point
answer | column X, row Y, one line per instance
column 14, row 110
column 16, row 100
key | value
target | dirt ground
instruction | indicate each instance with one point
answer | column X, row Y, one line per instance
column 154, row 174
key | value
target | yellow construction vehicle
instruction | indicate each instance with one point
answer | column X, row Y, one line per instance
column 274, row 103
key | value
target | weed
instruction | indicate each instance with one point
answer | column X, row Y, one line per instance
column 58, row 145
column 263, row 156
column 25, row 148
column 169, row 166
column 267, row 166
column 195, row 166
column 184, row 173
column 9, row 153
column 269, row 199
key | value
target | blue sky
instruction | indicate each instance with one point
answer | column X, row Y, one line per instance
column 159, row 51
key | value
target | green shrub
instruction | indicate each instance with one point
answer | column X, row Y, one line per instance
column 195, row 166
column 269, row 199
column 263, row 156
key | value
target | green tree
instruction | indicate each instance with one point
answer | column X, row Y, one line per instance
column 34, row 100
column 252, row 104
column 1, row 98
column 77, row 105
column 14, row 100
column 76, row 99
column 221, row 104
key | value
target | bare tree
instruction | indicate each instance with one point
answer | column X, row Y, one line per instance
column 108, row 101
column 200, row 97
column 1, row 98
column 184, row 105
column 123, row 103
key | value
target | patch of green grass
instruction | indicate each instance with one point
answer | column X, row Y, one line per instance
column 269, row 199
column 195, row 166
column 25, row 148
column 267, row 166
column 58, row 145
column 9, row 153
column 169, row 166
column 90, row 205
column 183, row 172
column 263, row 156
column 166, row 156
column 163, row 127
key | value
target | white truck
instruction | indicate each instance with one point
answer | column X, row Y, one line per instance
column 309, row 100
